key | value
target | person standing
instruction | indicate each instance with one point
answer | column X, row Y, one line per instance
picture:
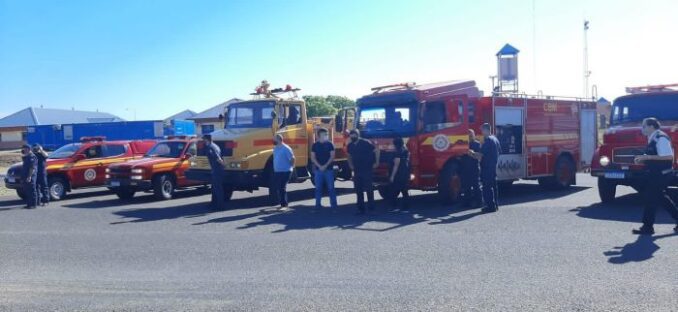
column 658, row 161
column 399, row 177
column 283, row 165
column 218, row 170
column 29, row 172
column 470, row 174
column 41, row 177
column 488, row 157
column 322, row 156
column 363, row 159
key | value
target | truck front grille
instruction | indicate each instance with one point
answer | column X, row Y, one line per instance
column 625, row 155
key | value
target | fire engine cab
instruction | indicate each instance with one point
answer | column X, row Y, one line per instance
column 79, row 165
column 542, row 137
column 613, row 163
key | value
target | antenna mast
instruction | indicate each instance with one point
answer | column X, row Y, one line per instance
column 587, row 72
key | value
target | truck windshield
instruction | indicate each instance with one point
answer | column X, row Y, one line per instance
column 167, row 150
column 636, row 108
column 387, row 119
column 250, row 115
column 65, row 151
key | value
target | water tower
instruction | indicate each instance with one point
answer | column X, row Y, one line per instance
column 507, row 67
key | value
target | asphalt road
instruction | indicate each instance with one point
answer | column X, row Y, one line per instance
column 543, row 251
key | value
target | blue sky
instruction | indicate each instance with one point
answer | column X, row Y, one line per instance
column 155, row 58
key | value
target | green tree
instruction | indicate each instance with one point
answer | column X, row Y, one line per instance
column 325, row 106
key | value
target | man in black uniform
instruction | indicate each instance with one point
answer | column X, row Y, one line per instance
column 29, row 175
column 488, row 157
column 470, row 174
column 658, row 160
column 213, row 153
column 41, row 181
column 363, row 157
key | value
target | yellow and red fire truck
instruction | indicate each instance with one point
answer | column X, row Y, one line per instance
column 613, row 163
column 542, row 137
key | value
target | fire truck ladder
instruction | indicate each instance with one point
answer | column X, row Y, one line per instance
column 652, row 88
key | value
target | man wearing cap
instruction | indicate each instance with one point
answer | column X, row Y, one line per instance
column 363, row 158
column 29, row 176
column 41, row 177
column 488, row 157
column 213, row 153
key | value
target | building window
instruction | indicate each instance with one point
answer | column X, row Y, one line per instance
column 207, row 129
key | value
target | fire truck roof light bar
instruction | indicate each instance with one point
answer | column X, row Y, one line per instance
column 92, row 138
column 405, row 85
column 652, row 88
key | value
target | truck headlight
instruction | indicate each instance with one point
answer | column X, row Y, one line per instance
column 138, row 171
column 604, row 161
column 108, row 170
column 137, row 177
column 108, row 176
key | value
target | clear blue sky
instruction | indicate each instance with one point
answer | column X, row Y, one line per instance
column 160, row 57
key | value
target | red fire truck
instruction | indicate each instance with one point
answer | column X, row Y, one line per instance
column 79, row 165
column 613, row 162
column 542, row 137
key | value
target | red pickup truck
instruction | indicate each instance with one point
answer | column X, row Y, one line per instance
column 80, row 165
column 161, row 170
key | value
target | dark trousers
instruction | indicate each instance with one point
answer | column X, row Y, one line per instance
column 654, row 195
column 43, row 188
column 31, row 191
column 396, row 188
column 471, row 193
column 218, row 200
column 280, row 182
column 490, row 191
column 362, row 182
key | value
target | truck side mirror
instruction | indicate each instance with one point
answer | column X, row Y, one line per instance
column 186, row 156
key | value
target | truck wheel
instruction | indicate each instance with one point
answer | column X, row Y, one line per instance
column 125, row 194
column 565, row 172
column 449, row 184
column 57, row 188
column 21, row 194
column 606, row 189
column 163, row 187
column 505, row 186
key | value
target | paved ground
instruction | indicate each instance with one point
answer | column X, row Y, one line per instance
column 544, row 251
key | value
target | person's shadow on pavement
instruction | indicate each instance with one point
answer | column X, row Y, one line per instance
column 640, row 250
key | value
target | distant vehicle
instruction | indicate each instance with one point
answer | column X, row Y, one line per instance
column 546, row 138
column 613, row 162
column 80, row 165
column 246, row 142
column 52, row 137
column 161, row 170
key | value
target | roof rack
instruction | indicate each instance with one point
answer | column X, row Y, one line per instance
column 262, row 91
column 92, row 139
column 652, row 88
column 403, row 85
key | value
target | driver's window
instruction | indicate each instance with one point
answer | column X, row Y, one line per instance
column 113, row 150
column 93, row 152
column 435, row 116
column 293, row 115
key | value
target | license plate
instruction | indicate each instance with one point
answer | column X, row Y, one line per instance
column 614, row 175
column 115, row 183
column 11, row 180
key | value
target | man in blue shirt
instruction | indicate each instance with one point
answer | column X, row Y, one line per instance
column 322, row 156
column 213, row 153
column 41, row 182
column 283, row 165
column 488, row 157
column 470, row 174
column 29, row 170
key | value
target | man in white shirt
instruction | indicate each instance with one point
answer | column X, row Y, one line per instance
column 658, row 161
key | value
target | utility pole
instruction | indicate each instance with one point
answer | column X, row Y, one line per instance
column 587, row 72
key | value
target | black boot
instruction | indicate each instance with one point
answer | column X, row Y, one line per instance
column 643, row 230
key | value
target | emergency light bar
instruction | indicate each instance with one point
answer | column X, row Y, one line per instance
column 408, row 85
column 92, row 139
column 652, row 88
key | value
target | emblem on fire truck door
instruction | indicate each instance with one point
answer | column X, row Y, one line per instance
column 441, row 143
column 90, row 174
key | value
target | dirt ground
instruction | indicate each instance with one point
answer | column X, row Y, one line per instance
column 7, row 158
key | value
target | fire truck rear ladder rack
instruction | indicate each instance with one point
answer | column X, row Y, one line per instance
column 539, row 96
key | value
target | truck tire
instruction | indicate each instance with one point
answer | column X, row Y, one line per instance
column 449, row 184
column 565, row 173
column 163, row 187
column 606, row 190
column 21, row 194
column 125, row 194
column 57, row 188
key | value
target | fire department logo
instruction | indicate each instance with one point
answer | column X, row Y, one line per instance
column 441, row 142
column 90, row 174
